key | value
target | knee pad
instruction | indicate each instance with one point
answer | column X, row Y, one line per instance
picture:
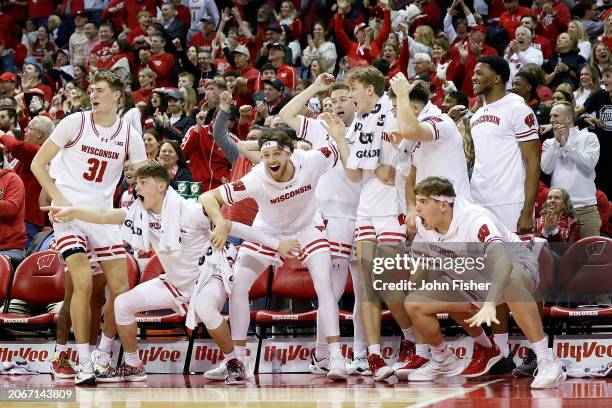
column 71, row 251
column 123, row 314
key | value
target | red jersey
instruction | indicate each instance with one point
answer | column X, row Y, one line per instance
column 12, row 211
column 103, row 54
column 510, row 21
column 163, row 65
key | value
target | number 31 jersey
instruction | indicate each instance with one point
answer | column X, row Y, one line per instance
column 90, row 162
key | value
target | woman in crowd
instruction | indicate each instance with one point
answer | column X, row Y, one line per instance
column 172, row 158
column 589, row 83
column 42, row 46
column 321, row 49
column 141, row 117
column 152, row 142
column 600, row 57
column 146, row 79
column 578, row 33
column 557, row 222
column 564, row 65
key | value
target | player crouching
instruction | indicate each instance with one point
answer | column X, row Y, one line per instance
column 443, row 218
column 196, row 279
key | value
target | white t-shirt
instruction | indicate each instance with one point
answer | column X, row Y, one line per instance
column 337, row 196
column 90, row 162
column 377, row 198
column 518, row 60
column 284, row 207
column 499, row 171
column 444, row 155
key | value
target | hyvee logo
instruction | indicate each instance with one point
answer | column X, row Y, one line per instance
column 587, row 349
column 212, row 354
column 32, row 356
column 297, row 352
column 159, row 354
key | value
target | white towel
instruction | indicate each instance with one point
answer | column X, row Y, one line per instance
column 135, row 228
column 214, row 262
column 367, row 131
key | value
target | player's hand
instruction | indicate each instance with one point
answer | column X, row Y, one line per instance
column 386, row 174
column 457, row 112
column 289, row 248
column 225, row 100
column 324, row 81
column 484, row 315
column 525, row 223
column 220, row 233
column 411, row 227
column 400, row 85
column 334, row 126
column 59, row 214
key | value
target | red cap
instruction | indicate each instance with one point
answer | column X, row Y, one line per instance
column 478, row 27
column 8, row 76
column 359, row 27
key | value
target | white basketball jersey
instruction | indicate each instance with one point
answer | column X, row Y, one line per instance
column 337, row 196
column 284, row 207
column 497, row 130
column 91, row 159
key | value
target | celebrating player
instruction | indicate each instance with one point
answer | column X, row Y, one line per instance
column 283, row 185
column 93, row 145
column 337, row 199
column 445, row 218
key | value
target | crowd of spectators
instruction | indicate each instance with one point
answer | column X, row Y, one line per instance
column 179, row 57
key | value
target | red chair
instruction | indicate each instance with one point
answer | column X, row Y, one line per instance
column 39, row 280
column 6, row 274
column 294, row 281
column 154, row 269
column 132, row 270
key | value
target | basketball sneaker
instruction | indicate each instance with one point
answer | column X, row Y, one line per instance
column 407, row 348
column 337, row 369
column 320, row 367
column 483, row 359
column 549, row 374
column 528, row 367
column 358, row 366
column 414, row 363
column 379, row 367
column 124, row 372
column 60, row 366
column 235, row 372
column 85, row 375
column 450, row 367
column 101, row 361
column 219, row 373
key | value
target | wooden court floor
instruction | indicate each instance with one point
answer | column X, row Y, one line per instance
column 302, row 390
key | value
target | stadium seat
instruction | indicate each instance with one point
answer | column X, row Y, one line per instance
column 39, row 280
column 6, row 274
column 291, row 280
column 133, row 270
column 547, row 287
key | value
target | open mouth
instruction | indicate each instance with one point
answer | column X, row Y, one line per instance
column 274, row 167
column 95, row 104
column 140, row 196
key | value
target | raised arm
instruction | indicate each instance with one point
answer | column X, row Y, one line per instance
column 91, row 215
column 410, row 127
column 290, row 112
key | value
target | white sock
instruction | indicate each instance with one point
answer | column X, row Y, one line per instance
column 374, row 349
column 131, row 359
column 322, row 351
column 440, row 353
column 541, row 350
column 334, row 350
column 483, row 340
column 501, row 340
column 83, row 350
column 422, row 350
column 360, row 350
column 105, row 343
column 409, row 334
column 60, row 348
column 230, row 355
column 240, row 353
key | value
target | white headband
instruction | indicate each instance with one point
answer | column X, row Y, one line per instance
column 444, row 198
column 273, row 143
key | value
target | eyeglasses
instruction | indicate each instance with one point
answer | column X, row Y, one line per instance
column 31, row 129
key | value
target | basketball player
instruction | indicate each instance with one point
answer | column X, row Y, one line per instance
column 92, row 148
column 378, row 213
column 283, row 185
column 164, row 209
column 507, row 165
column 337, row 199
column 442, row 218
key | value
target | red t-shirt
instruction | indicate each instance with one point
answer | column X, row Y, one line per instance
column 40, row 8
column 12, row 211
column 103, row 54
column 162, row 65
column 511, row 21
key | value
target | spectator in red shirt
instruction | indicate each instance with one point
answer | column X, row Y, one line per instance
column 205, row 37
column 102, row 54
column 359, row 53
column 285, row 73
column 133, row 7
column 144, row 21
column 469, row 54
column 12, row 214
column 158, row 60
column 24, row 150
column 182, row 12
column 8, row 84
column 552, row 19
column 537, row 41
column 239, row 59
column 31, row 78
column 10, row 34
column 146, row 79
column 42, row 47
column 40, row 10
column 511, row 18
